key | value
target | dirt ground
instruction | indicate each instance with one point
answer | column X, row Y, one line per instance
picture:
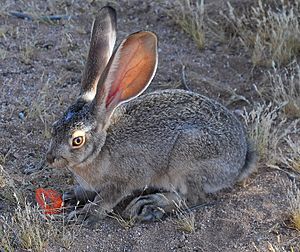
column 40, row 72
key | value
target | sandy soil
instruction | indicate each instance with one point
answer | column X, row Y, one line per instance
column 40, row 71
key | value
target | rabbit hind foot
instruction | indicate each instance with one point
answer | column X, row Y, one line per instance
column 151, row 207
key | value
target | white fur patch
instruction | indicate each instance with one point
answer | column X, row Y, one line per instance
column 88, row 96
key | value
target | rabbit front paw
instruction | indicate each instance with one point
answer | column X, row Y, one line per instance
column 76, row 197
column 89, row 216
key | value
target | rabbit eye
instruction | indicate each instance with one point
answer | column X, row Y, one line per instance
column 78, row 139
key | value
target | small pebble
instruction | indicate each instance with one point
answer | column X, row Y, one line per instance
column 22, row 115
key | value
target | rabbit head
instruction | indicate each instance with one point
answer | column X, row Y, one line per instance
column 108, row 81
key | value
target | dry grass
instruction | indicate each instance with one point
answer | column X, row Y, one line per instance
column 260, row 123
column 290, row 157
column 125, row 223
column 190, row 17
column 266, row 132
column 39, row 110
column 8, row 188
column 270, row 30
column 285, row 88
column 185, row 218
column 294, row 205
column 26, row 227
column 3, row 158
column 31, row 232
column 3, row 53
column 28, row 51
column 23, row 228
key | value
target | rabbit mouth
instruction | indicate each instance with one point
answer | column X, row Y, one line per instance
column 59, row 163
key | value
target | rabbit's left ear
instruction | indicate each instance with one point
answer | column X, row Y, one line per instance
column 128, row 73
column 101, row 48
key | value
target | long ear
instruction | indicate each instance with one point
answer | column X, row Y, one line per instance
column 101, row 47
column 129, row 72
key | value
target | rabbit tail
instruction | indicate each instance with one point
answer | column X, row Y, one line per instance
column 250, row 162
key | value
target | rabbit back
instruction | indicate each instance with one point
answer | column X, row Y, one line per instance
column 173, row 137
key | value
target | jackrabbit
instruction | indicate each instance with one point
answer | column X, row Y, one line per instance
column 180, row 143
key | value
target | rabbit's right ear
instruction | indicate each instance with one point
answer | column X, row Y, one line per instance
column 128, row 73
column 101, row 47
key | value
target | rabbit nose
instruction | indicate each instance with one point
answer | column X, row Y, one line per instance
column 50, row 158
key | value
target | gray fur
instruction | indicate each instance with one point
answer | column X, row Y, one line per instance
column 167, row 139
column 178, row 142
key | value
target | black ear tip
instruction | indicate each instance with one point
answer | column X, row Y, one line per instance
column 105, row 19
column 109, row 9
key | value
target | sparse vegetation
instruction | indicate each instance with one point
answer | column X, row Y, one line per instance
column 2, row 177
column 268, row 130
column 8, row 189
column 3, row 54
column 260, row 123
column 285, row 88
column 189, row 15
column 26, row 227
column 40, row 69
column 294, row 205
column 32, row 233
column 126, row 224
column 185, row 218
column 27, row 52
column 3, row 159
column 291, row 157
column 38, row 109
column 270, row 30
